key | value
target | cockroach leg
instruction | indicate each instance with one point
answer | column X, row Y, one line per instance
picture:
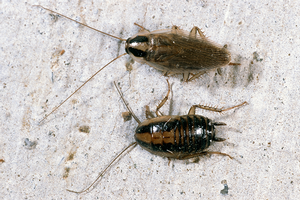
column 217, row 139
column 169, row 159
column 244, row 103
column 204, row 153
column 219, row 124
column 219, row 71
column 193, row 108
column 194, row 31
column 234, row 64
column 148, row 113
column 168, row 73
column 163, row 101
column 196, row 76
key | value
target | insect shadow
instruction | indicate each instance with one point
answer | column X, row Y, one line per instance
column 172, row 51
column 172, row 136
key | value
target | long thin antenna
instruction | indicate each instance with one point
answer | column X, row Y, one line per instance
column 80, row 23
column 127, row 105
column 108, row 166
column 80, row 88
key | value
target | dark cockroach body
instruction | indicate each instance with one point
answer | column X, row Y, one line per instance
column 176, row 137
column 176, row 51
column 171, row 51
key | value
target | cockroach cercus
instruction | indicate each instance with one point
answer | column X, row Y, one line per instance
column 172, row 51
column 174, row 137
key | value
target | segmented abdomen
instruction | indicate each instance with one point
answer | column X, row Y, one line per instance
column 175, row 136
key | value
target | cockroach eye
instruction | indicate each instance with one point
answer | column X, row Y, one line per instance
column 136, row 52
column 138, row 39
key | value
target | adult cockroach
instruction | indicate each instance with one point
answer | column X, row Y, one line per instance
column 172, row 51
column 174, row 137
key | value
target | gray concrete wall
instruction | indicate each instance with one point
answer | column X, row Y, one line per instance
column 42, row 161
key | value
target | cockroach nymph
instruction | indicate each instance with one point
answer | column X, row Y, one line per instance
column 174, row 137
column 173, row 51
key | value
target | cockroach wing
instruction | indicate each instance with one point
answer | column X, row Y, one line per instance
column 179, row 53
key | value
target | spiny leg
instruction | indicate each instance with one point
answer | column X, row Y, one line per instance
column 148, row 113
column 193, row 108
column 195, row 76
column 168, row 73
column 193, row 32
column 234, row 63
column 216, row 139
column 205, row 153
column 163, row 101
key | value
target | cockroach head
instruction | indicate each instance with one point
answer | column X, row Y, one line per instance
column 137, row 46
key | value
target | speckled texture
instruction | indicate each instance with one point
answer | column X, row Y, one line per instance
column 82, row 137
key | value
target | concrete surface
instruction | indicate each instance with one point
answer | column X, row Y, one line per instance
column 82, row 137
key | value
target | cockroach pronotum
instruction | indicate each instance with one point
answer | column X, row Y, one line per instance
column 174, row 137
column 172, row 51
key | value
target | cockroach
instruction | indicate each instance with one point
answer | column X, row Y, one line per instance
column 175, row 137
column 173, row 51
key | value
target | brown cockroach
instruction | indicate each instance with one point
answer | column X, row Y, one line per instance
column 172, row 51
column 174, row 137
